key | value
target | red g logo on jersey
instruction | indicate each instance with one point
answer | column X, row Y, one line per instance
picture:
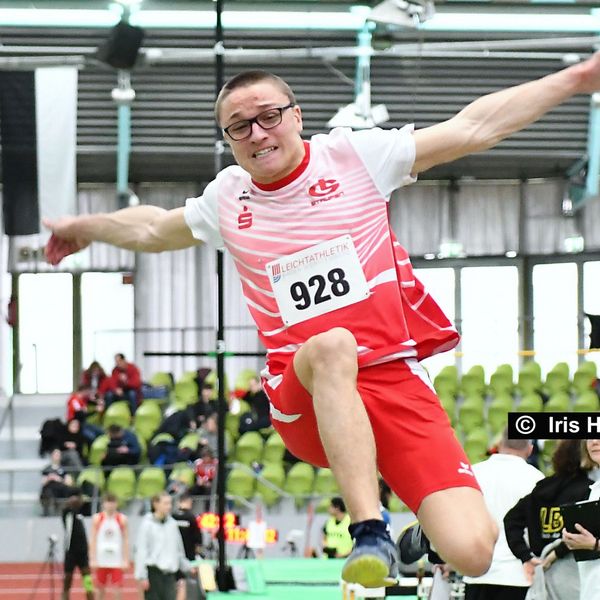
column 323, row 187
column 245, row 219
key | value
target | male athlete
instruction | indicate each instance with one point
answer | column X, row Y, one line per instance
column 336, row 303
column 109, row 547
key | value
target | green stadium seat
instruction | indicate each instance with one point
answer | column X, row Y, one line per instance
column 528, row 382
column 533, row 367
column 300, row 482
column 583, row 381
column 587, row 402
column 477, row 371
column 505, row 370
column 98, row 449
column 151, row 481
column 472, row 385
column 274, row 449
column 501, row 383
column 396, row 505
column 587, row 366
column 531, row 403
column 470, row 415
column 445, row 384
column 183, row 472
column 242, row 381
column 325, row 485
column 147, row 419
column 273, row 473
column 94, row 476
column 118, row 413
column 476, row 445
column 161, row 379
column 449, row 405
column 558, row 403
column 497, row 416
column 249, row 448
column 189, row 440
column 562, row 368
column 232, row 424
column 240, row 483
column 186, row 393
column 556, row 382
column 189, row 376
column 121, row 483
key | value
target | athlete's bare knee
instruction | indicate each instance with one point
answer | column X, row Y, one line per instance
column 331, row 347
column 474, row 554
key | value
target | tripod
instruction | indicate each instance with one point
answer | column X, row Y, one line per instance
column 48, row 566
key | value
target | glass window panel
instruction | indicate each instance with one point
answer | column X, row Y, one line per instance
column 555, row 315
column 107, row 318
column 591, row 302
column 46, row 332
column 440, row 284
column 490, row 317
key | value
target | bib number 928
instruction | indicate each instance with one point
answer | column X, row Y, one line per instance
column 319, row 289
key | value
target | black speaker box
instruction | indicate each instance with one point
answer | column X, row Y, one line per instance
column 121, row 48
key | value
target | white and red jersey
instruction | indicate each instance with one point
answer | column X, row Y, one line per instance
column 109, row 540
column 341, row 188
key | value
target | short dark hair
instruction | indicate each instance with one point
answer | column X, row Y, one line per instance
column 113, row 428
column 109, row 497
column 185, row 497
column 248, row 78
column 338, row 503
column 120, row 355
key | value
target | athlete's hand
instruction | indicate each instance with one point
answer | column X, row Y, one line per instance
column 65, row 239
column 589, row 73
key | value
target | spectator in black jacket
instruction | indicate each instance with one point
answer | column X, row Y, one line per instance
column 539, row 513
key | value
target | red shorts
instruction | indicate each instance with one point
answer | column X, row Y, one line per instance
column 417, row 450
column 103, row 574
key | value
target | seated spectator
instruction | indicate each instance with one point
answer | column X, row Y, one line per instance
column 206, row 471
column 259, row 415
column 125, row 383
column 179, row 423
column 78, row 407
column 77, row 404
column 56, row 484
column 96, row 379
column 73, row 447
column 209, row 435
column 206, row 404
column 123, row 448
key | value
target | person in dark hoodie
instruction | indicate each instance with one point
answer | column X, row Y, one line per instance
column 539, row 514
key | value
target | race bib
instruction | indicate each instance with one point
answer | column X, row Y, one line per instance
column 317, row 280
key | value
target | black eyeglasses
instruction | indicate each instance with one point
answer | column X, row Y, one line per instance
column 240, row 130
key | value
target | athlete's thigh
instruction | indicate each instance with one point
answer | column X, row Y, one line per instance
column 417, row 450
column 293, row 416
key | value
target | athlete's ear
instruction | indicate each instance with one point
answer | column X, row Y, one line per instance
column 298, row 117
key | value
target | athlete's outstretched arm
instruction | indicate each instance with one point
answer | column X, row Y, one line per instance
column 490, row 119
column 140, row 228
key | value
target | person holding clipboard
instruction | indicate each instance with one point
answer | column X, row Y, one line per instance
column 585, row 543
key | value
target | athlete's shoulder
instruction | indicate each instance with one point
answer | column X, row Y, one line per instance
column 232, row 174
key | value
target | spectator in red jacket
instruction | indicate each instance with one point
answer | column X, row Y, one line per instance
column 206, row 471
column 95, row 378
column 125, row 383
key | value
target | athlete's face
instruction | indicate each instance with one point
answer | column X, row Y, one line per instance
column 267, row 154
column 593, row 448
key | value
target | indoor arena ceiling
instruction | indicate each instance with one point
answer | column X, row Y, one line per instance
column 172, row 126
